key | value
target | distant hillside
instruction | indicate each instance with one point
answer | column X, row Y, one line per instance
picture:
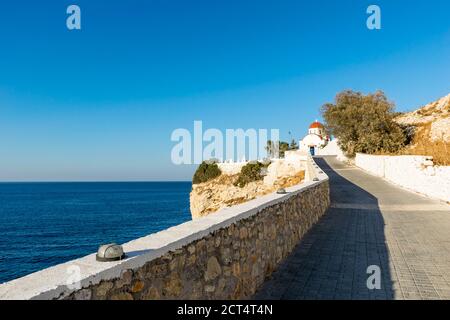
column 434, row 116
column 431, row 130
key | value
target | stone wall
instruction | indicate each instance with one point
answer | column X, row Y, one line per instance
column 416, row 173
column 231, row 168
column 227, row 255
column 231, row 263
column 371, row 163
column 332, row 149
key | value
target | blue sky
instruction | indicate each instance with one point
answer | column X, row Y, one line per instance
column 102, row 102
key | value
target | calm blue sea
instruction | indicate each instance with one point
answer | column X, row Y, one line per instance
column 44, row 224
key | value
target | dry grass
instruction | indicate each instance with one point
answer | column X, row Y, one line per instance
column 439, row 150
column 422, row 145
column 287, row 182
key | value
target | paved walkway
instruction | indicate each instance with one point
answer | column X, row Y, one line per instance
column 370, row 222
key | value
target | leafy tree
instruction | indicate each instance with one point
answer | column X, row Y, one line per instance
column 284, row 146
column 364, row 123
column 293, row 145
column 271, row 148
column 206, row 171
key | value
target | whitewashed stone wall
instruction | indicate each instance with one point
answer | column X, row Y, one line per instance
column 231, row 168
column 371, row 163
column 416, row 173
column 293, row 163
column 227, row 255
column 332, row 149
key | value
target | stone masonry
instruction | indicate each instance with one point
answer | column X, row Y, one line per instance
column 231, row 263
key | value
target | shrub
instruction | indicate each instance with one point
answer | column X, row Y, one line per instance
column 252, row 171
column 364, row 123
column 205, row 172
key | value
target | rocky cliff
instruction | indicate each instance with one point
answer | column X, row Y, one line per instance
column 433, row 117
column 430, row 128
column 221, row 192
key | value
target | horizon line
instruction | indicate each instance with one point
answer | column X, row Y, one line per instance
column 95, row 181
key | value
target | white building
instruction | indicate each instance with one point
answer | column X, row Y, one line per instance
column 316, row 139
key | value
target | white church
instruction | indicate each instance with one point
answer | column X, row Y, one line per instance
column 316, row 139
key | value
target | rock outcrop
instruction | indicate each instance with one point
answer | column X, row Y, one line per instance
column 435, row 115
column 211, row 196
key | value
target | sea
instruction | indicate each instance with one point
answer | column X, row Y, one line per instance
column 45, row 224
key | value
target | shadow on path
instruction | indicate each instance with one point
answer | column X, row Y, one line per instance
column 332, row 259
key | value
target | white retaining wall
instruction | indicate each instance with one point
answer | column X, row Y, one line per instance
column 412, row 172
column 332, row 149
column 77, row 277
column 231, row 168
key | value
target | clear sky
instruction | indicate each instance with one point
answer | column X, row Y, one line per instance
column 101, row 103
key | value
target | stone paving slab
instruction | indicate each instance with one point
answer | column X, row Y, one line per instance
column 370, row 222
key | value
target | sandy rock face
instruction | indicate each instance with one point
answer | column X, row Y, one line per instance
column 219, row 193
column 440, row 130
column 211, row 196
column 278, row 170
column 436, row 114
column 429, row 113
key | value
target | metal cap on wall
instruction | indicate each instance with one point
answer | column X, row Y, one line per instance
column 110, row 252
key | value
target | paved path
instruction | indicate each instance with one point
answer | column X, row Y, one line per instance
column 370, row 222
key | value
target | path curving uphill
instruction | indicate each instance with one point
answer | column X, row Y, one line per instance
column 370, row 223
